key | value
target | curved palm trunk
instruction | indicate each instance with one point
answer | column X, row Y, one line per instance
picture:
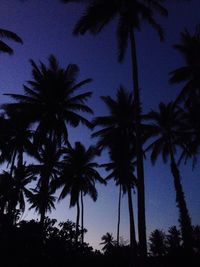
column 139, row 152
column 184, row 218
column 82, row 216
column 77, row 220
column 133, row 243
column 119, row 213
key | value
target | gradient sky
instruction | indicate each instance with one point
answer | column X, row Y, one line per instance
column 45, row 27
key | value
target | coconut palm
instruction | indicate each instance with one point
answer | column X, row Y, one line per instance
column 50, row 100
column 6, row 34
column 168, row 129
column 130, row 15
column 48, row 167
column 17, row 138
column 108, row 242
column 122, row 171
column 42, row 202
column 78, row 179
column 189, row 47
column 14, row 190
column 116, row 134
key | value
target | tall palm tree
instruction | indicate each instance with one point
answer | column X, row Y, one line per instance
column 5, row 34
column 122, row 168
column 78, row 179
column 130, row 14
column 50, row 100
column 168, row 128
column 117, row 134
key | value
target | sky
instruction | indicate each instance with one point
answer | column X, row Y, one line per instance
column 46, row 28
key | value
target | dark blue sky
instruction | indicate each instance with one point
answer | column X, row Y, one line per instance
column 46, row 27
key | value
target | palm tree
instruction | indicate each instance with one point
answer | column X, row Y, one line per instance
column 130, row 15
column 5, row 34
column 117, row 135
column 78, row 179
column 14, row 190
column 189, row 48
column 48, row 169
column 108, row 242
column 168, row 128
column 50, row 100
column 17, row 138
column 122, row 168
column 42, row 202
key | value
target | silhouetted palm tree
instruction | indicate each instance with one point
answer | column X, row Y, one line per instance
column 5, row 34
column 42, row 202
column 17, row 138
column 130, row 14
column 78, row 178
column 108, row 242
column 189, row 48
column 14, row 190
column 50, row 100
column 48, row 169
column 122, row 171
column 117, row 134
column 168, row 128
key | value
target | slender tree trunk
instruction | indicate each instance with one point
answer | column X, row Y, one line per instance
column 133, row 243
column 139, row 152
column 44, row 189
column 42, row 218
column 119, row 213
column 184, row 218
column 77, row 220
column 82, row 216
column 20, row 158
column 13, row 162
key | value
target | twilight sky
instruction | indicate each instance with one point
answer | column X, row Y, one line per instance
column 45, row 27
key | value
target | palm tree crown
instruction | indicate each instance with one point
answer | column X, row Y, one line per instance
column 50, row 100
column 130, row 14
column 190, row 72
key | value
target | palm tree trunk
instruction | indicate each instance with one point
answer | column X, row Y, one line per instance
column 77, row 220
column 184, row 218
column 44, row 189
column 82, row 214
column 133, row 243
column 20, row 157
column 119, row 213
column 42, row 218
column 139, row 152
column 13, row 162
